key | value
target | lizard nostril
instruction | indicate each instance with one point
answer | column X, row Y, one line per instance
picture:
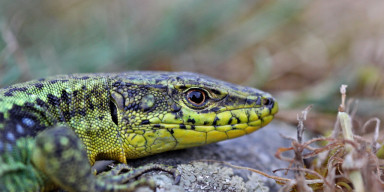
column 268, row 102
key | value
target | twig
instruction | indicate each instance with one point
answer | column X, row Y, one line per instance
column 300, row 126
column 376, row 134
column 279, row 179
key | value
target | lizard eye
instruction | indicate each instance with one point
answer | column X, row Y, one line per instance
column 196, row 97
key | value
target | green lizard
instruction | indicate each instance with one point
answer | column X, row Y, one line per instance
column 52, row 130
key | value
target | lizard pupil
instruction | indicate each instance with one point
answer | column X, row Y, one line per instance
column 113, row 109
column 196, row 97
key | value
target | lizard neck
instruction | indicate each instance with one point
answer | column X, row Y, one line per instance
column 88, row 113
column 81, row 103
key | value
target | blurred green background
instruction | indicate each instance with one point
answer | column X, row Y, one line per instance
column 300, row 51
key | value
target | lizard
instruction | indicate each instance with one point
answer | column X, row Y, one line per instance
column 53, row 129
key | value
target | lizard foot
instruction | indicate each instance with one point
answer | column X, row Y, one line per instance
column 123, row 173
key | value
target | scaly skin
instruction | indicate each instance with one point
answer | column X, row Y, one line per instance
column 53, row 129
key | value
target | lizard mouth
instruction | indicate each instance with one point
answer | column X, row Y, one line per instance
column 229, row 124
column 184, row 136
column 248, row 127
column 194, row 130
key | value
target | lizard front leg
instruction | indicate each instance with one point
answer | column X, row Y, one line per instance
column 60, row 154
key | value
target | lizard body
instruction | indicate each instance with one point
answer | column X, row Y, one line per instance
column 67, row 122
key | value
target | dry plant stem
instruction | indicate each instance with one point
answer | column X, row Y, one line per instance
column 301, row 184
column 357, row 181
column 336, row 129
column 374, row 158
column 279, row 179
column 287, row 137
column 299, row 161
column 288, row 186
column 346, row 126
column 300, row 126
column 335, row 144
column 332, row 168
column 330, row 178
column 375, row 135
column 343, row 90
column 315, row 151
column 355, row 107
column 320, row 180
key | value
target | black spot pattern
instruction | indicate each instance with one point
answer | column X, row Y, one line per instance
column 65, row 97
column 230, row 121
column 215, row 121
column 27, row 120
column 90, row 104
column 56, row 81
column 41, row 103
column 75, row 93
column 191, row 121
column 145, row 122
column 10, row 92
column 39, row 85
column 82, row 112
column 53, row 100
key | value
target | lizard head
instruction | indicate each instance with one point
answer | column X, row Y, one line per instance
column 158, row 112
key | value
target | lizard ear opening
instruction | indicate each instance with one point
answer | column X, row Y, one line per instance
column 113, row 110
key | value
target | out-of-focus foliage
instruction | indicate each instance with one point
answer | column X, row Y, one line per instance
column 43, row 37
column 301, row 51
